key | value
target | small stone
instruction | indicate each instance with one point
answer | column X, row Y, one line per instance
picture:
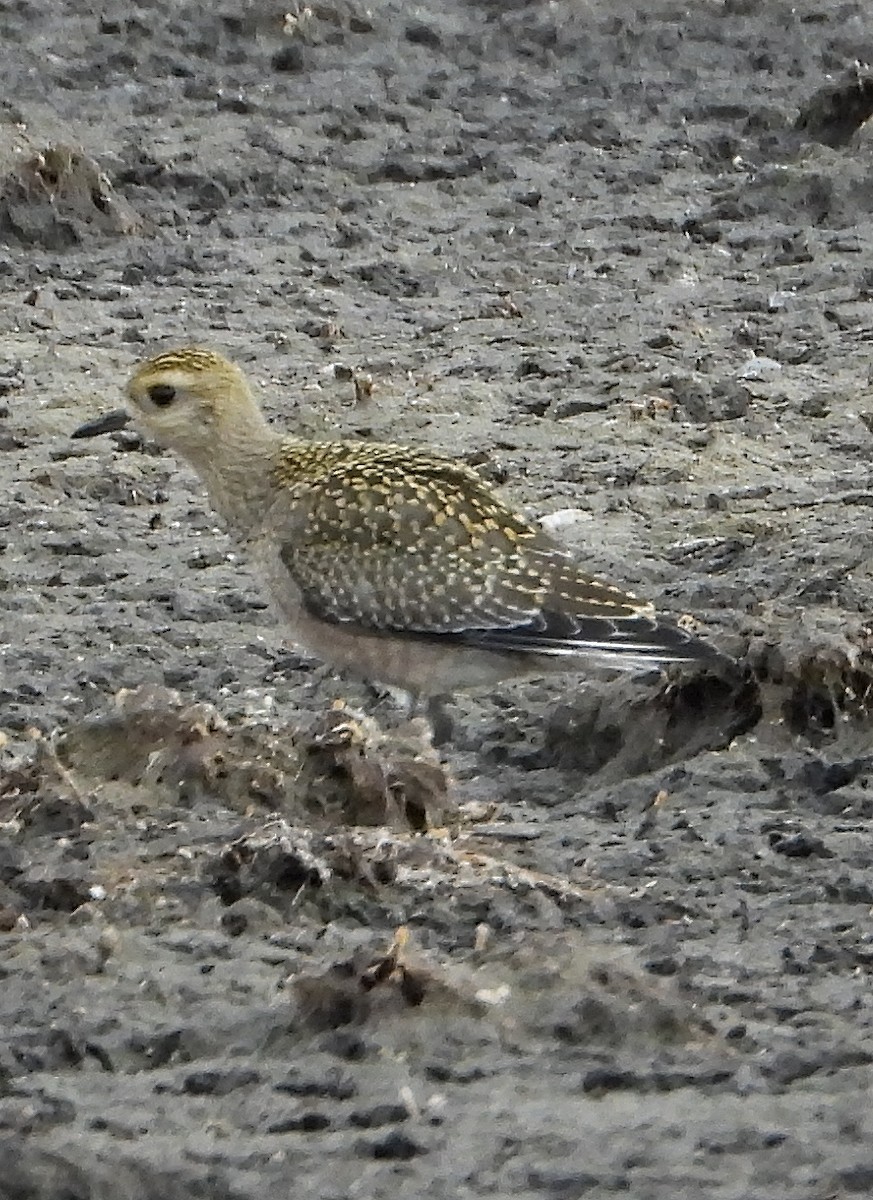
column 379, row 1114
column 397, row 1146
column 420, row 34
column 218, row 1083
column 815, row 406
column 311, row 1122
column 573, row 406
column 289, row 59
column 760, row 367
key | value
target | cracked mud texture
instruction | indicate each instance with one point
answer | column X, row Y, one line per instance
column 605, row 253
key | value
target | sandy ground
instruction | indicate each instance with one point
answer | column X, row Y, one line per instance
column 581, row 246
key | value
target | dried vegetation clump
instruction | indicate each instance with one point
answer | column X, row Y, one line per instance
column 53, row 194
column 154, row 748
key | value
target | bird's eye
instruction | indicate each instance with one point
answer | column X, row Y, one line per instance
column 161, row 394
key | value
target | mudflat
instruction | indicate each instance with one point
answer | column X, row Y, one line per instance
column 610, row 936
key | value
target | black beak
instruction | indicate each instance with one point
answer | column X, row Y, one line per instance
column 110, row 422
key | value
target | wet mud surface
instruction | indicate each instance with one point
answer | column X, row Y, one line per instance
column 613, row 937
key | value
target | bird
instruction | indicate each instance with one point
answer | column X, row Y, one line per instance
column 394, row 564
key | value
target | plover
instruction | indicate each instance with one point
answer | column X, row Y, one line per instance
column 399, row 565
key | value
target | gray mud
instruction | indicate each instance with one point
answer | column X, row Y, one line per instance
column 583, row 247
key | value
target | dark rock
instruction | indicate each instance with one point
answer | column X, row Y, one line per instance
column 310, row 1122
column 289, row 60
column 334, row 1085
column 394, row 1146
column 219, row 1082
column 59, row 893
column 379, row 1114
column 421, row 34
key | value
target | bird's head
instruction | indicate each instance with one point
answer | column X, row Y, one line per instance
column 185, row 397
column 189, row 399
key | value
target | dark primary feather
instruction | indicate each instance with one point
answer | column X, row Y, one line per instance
column 640, row 638
column 402, row 543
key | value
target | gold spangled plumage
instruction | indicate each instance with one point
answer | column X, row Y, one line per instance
column 402, row 565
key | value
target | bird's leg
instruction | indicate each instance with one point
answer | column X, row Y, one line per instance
column 412, row 704
column 441, row 723
column 397, row 699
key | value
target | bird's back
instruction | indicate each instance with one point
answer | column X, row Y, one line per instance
column 397, row 543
